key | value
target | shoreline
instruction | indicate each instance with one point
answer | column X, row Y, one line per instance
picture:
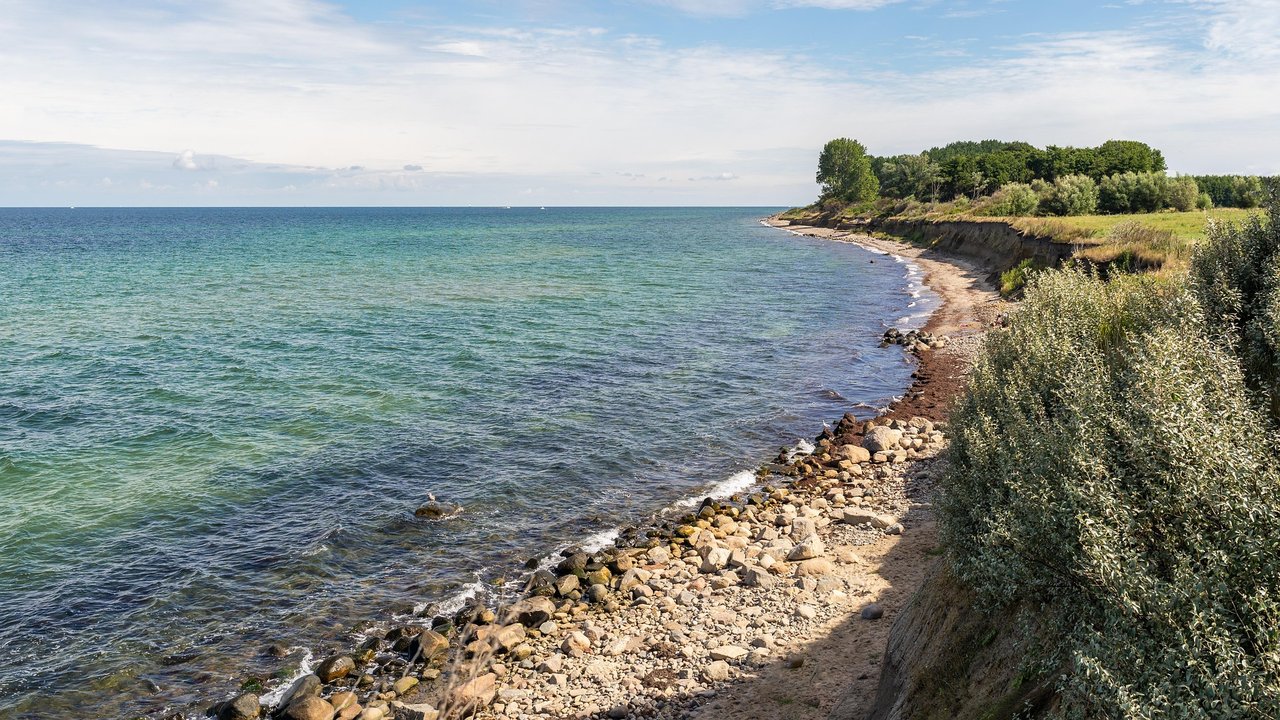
column 750, row 603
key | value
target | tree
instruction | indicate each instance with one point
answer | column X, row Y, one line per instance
column 1072, row 195
column 844, row 171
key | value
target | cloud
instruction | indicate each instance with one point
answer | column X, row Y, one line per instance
column 286, row 93
column 731, row 8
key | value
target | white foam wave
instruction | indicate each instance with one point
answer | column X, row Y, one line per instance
column 600, row 540
column 458, row 600
column 737, row 482
column 273, row 698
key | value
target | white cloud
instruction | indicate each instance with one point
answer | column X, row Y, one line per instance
column 742, row 7
column 296, row 83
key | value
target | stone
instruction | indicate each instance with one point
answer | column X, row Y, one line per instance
column 242, row 707
column 872, row 612
column 598, row 593
column 659, row 555
column 881, row 439
column 476, row 693
column 856, row 454
column 618, row 712
column 601, row 576
column 553, row 664
column 575, row 564
column 566, row 584
column 423, row 711
column 756, row 576
column 717, row 671
column 509, row 636
column 622, row 646
column 542, row 584
column 715, row 559
column 309, row 708
column 532, row 612
column 814, row 566
column 343, row 700
column 808, row 612
column 305, row 686
column 436, row 510
column 802, row 528
column 428, row 644
column 405, row 684
column 372, row 713
column 728, row 652
column 338, row 666
column 575, row 644
column 812, row 547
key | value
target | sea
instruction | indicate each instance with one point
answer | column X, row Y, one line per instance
column 216, row 424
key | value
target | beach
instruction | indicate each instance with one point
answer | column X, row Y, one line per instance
column 775, row 603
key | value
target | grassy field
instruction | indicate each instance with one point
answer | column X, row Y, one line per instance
column 1188, row 225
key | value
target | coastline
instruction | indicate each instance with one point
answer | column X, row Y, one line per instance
column 748, row 608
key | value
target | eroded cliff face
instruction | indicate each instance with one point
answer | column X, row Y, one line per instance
column 948, row 657
column 992, row 244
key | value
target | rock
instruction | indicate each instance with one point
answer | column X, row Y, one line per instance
column 602, row 576
column 728, row 652
column 422, row 711
column 242, row 707
column 338, row 666
column 618, row 712
column 405, row 684
column 478, row 692
column 343, row 700
column 756, row 576
column 598, row 592
column 808, row 612
column 717, row 671
column 534, row 611
column 860, row 516
column 575, row 644
column 428, row 644
column 575, row 564
column 372, row 713
column 881, row 439
column 872, row 612
column 802, row 528
column 715, row 559
column 509, row 636
column 622, row 646
column 814, row 566
column 435, row 510
column 553, row 664
column 566, row 584
column 305, row 686
column 812, row 547
column 856, row 454
column 309, row 708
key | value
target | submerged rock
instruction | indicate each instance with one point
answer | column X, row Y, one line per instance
column 436, row 510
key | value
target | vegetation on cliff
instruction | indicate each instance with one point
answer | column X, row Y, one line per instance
column 1115, row 482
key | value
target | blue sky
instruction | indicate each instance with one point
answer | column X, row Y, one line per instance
column 556, row 102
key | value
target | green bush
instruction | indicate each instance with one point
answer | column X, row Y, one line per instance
column 1236, row 275
column 1181, row 193
column 1204, row 202
column 1015, row 278
column 1071, row 195
column 1012, row 200
column 1110, row 483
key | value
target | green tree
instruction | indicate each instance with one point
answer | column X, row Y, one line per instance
column 1072, row 195
column 844, row 172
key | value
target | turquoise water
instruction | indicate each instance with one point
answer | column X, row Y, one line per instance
column 215, row 424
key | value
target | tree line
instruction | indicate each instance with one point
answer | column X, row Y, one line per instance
column 1118, row 176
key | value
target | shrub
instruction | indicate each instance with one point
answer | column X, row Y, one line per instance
column 1181, row 193
column 1072, row 195
column 1015, row 278
column 1109, row 483
column 1204, row 202
column 1012, row 200
column 1236, row 276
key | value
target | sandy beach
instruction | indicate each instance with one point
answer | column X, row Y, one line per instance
column 774, row 604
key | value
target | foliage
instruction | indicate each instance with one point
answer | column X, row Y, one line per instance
column 844, row 171
column 1071, row 195
column 1015, row 278
column 1109, row 480
column 1012, row 200
column 1181, row 193
column 906, row 176
column 1236, row 276
column 1239, row 191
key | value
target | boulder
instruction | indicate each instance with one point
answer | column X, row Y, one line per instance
column 509, row 636
column 476, row 693
column 881, row 439
column 532, row 612
column 305, row 686
column 811, row 548
column 309, row 708
column 856, row 454
column 405, row 684
column 717, row 671
column 566, row 584
column 803, row 527
column 813, row 567
column 731, row 653
column 428, row 644
column 423, row 711
column 436, row 510
column 242, row 707
column 872, row 612
column 338, row 666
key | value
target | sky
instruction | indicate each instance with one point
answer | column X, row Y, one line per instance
column 623, row 102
